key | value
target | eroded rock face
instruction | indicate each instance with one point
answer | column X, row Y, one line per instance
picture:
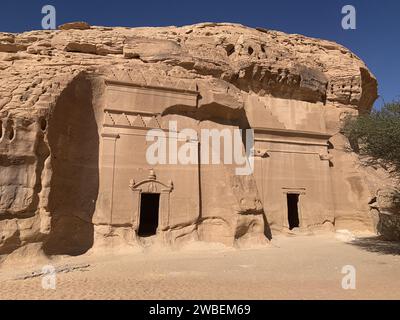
column 385, row 207
column 78, row 25
column 388, row 201
column 67, row 96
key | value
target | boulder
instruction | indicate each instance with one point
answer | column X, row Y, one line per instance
column 388, row 201
column 78, row 25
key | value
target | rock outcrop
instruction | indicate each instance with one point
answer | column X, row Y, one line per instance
column 385, row 208
column 52, row 105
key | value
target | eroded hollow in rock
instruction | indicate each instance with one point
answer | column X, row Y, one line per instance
column 11, row 131
column 43, row 124
column 74, row 145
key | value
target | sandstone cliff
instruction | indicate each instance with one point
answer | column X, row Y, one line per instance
column 48, row 76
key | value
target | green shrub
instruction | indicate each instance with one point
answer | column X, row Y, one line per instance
column 377, row 134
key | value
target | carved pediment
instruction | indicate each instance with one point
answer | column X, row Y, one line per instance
column 151, row 184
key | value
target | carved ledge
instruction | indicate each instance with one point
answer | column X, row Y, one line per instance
column 110, row 135
column 325, row 157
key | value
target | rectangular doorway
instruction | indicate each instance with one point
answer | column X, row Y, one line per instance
column 293, row 210
column 149, row 207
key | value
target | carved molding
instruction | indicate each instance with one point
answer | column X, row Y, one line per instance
column 294, row 133
column 299, row 191
column 132, row 119
column 151, row 182
column 325, row 157
column 132, row 97
column 110, row 135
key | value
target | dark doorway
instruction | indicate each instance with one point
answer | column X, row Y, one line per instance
column 149, row 205
column 293, row 210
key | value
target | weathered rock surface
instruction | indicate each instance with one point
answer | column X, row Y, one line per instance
column 386, row 209
column 52, row 86
column 388, row 201
column 79, row 25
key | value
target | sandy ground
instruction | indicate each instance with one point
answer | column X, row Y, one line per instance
column 299, row 267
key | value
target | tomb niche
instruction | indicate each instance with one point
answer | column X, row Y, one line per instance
column 150, row 197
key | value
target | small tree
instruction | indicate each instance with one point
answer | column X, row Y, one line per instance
column 377, row 134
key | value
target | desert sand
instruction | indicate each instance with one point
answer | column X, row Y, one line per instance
column 291, row 267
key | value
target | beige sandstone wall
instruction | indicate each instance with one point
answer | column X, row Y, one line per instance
column 62, row 188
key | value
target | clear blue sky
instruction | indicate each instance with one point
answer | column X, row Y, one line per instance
column 376, row 40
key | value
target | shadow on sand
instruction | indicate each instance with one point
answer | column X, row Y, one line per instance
column 377, row 245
